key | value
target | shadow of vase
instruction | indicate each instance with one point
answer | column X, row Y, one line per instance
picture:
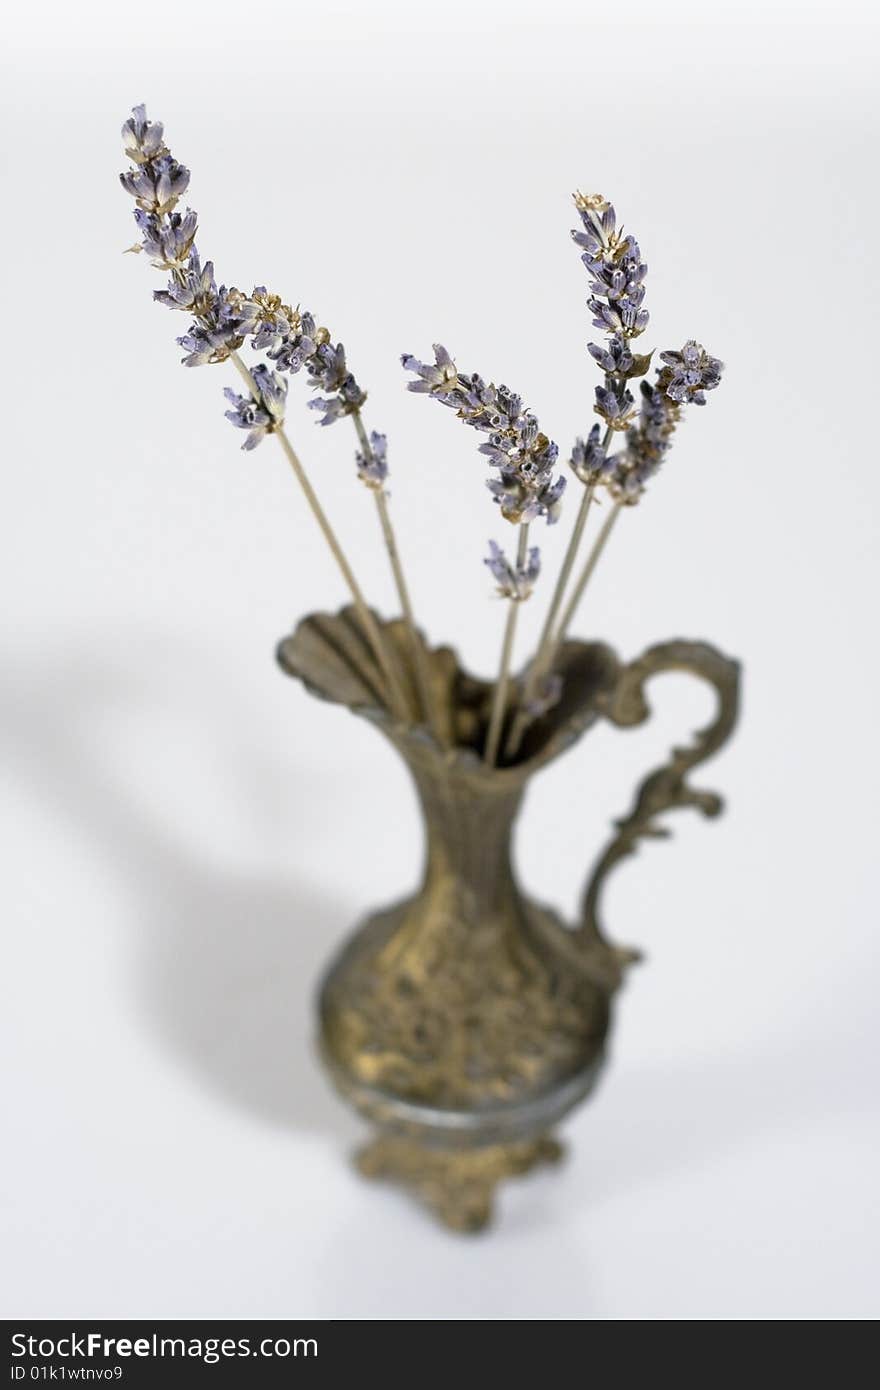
column 224, row 964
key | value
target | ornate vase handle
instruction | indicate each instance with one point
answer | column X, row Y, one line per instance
column 665, row 788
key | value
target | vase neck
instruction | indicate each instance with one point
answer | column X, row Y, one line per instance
column 468, row 827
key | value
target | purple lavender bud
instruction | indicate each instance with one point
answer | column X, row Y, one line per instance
column 272, row 389
column 261, row 413
column 297, row 346
column 547, row 693
column 166, row 240
column 438, row 376
column 142, row 139
column 275, row 320
column 588, row 460
column 521, row 502
column 372, row 465
column 247, row 414
column 507, row 491
column 156, row 186
column 332, row 408
column 513, row 581
column 615, row 359
column 691, row 372
column 220, row 327
column 616, row 408
column 192, row 288
column 546, row 501
column 327, row 368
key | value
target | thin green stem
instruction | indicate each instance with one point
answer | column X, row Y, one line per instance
column 499, row 702
column 397, row 698
column 584, row 577
column 417, row 649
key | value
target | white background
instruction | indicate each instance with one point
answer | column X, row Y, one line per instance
column 188, row 836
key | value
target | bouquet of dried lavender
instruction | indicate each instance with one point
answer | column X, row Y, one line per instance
column 619, row 456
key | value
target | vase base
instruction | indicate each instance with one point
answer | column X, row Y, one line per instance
column 458, row 1186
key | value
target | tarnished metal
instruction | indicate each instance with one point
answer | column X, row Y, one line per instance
column 465, row 1021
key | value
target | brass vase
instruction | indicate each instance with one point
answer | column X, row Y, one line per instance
column 464, row 1022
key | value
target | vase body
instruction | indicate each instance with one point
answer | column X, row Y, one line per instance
column 461, row 1012
column 465, row 1021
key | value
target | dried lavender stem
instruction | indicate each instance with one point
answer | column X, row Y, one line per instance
column 591, row 563
column 420, row 670
column 559, row 591
column 543, row 660
column 397, row 697
column 539, row 663
column 499, row 702
column 420, row 664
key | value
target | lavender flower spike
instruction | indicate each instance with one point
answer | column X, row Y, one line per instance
column 524, row 456
column 614, row 263
column 683, row 379
column 514, row 581
column 261, row 414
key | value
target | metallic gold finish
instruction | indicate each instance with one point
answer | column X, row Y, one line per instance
column 465, row 1021
column 665, row 789
column 457, row 1187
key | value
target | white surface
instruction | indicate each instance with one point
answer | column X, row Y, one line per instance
column 189, row 836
